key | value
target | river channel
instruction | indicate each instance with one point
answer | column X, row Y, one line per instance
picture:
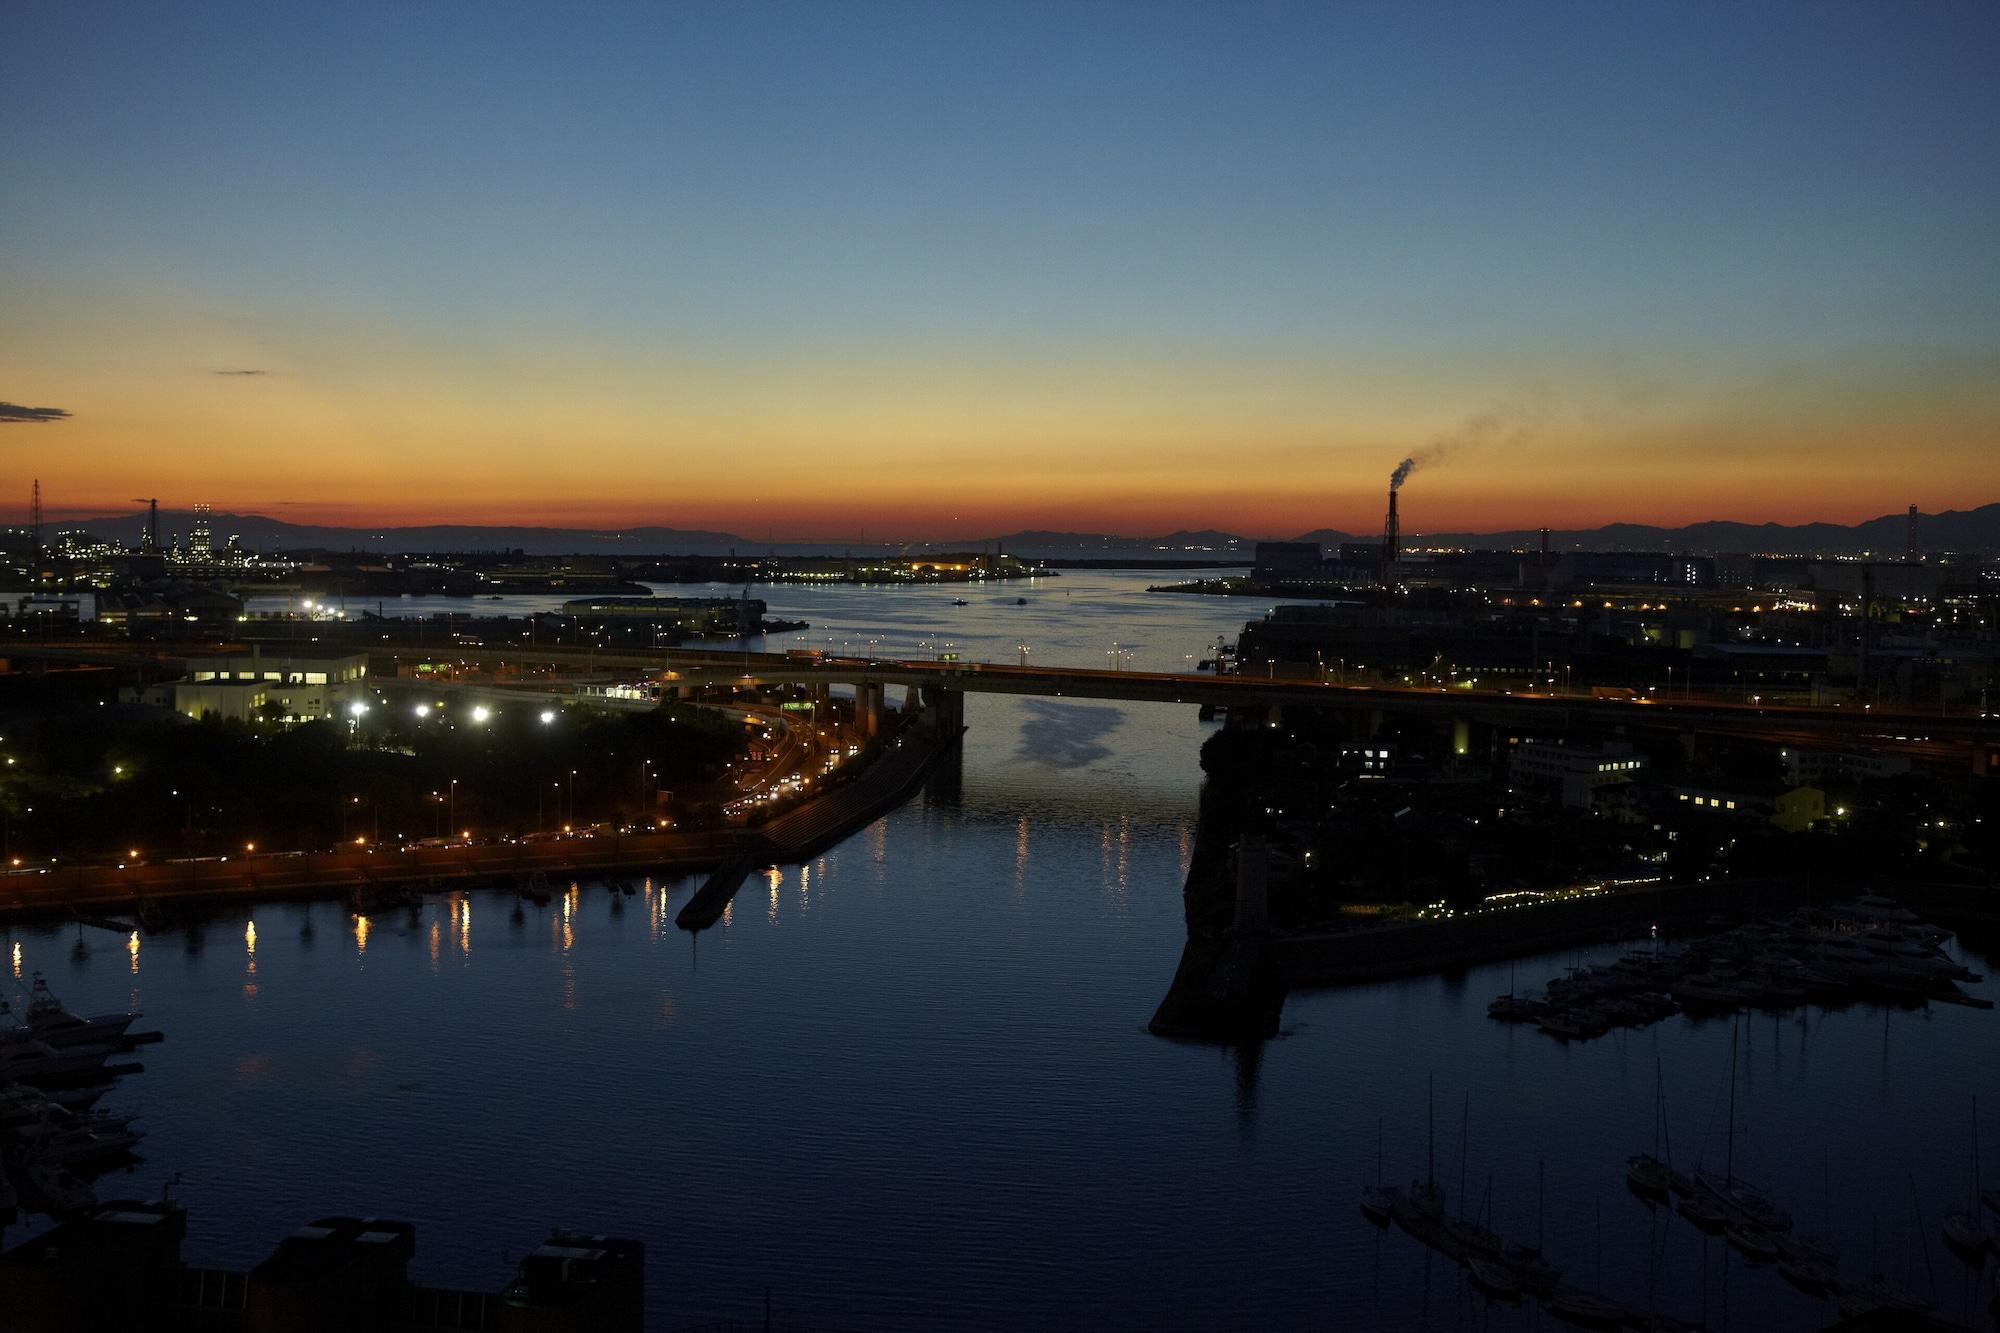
column 909, row 1085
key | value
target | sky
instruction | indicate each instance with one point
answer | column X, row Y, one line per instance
column 937, row 270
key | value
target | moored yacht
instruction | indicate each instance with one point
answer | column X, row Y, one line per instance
column 48, row 1021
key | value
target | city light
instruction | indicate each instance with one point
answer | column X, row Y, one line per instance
column 480, row 713
column 423, row 710
column 548, row 716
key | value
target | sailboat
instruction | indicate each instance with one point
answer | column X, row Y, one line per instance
column 1426, row 1197
column 1737, row 1200
column 1378, row 1201
column 1646, row 1173
column 1537, row 1274
column 1964, row 1230
column 1814, row 1258
column 1496, row 1279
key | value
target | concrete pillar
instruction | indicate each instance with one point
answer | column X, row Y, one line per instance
column 1253, row 898
column 945, row 709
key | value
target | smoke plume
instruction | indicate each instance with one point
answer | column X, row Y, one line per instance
column 1512, row 424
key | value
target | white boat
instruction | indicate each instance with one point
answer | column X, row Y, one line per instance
column 1698, row 1208
column 1966, row 1234
column 1497, row 1280
column 1810, row 1275
column 1648, row 1174
column 78, row 1145
column 1752, row 1242
column 48, row 1021
column 52, row 1186
column 1875, row 907
column 1588, row 1310
column 1743, row 1203
column 1378, row 1203
column 1808, row 1249
column 30, row 1062
column 1880, row 1293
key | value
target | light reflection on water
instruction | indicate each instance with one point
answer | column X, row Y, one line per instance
column 912, row 1086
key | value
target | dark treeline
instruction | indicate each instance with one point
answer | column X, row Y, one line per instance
column 101, row 781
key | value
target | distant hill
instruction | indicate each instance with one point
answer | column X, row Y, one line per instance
column 1955, row 530
column 260, row 532
column 1174, row 545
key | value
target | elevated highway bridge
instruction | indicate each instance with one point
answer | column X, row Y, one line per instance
column 1945, row 736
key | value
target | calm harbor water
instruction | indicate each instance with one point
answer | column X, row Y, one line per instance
column 909, row 1085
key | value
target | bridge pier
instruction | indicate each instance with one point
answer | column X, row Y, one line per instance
column 868, row 709
column 945, row 710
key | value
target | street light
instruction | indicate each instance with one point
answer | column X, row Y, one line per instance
column 548, row 716
column 423, row 711
column 480, row 712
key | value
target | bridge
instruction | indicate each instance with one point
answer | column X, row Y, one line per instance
column 1945, row 736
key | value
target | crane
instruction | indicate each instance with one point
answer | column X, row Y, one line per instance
column 152, row 523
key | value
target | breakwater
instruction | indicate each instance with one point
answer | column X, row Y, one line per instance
column 806, row 830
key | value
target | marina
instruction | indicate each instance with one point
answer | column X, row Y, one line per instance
column 1871, row 949
column 54, row 1067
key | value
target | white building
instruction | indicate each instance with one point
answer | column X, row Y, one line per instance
column 1572, row 775
column 305, row 685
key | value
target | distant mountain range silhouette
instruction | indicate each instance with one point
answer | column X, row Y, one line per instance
column 1955, row 530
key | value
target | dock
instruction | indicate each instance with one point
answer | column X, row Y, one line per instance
column 712, row 899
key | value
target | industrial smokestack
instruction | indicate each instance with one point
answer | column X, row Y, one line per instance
column 1391, row 538
column 1545, row 546
column 1911, row 553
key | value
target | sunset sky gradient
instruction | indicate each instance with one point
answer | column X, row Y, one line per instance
column 950, row 270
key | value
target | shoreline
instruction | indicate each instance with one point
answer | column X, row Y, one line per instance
column 799, row 833
column 1231, row 987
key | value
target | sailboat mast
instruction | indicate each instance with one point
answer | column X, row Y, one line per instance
column 1430, row 1132
column 1464, row 1148
column 1976, row 1181
column 1541, row 1200
column 1729, row 1159
column 1666, row 1130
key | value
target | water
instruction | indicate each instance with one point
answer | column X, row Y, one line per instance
column 909, row 1086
